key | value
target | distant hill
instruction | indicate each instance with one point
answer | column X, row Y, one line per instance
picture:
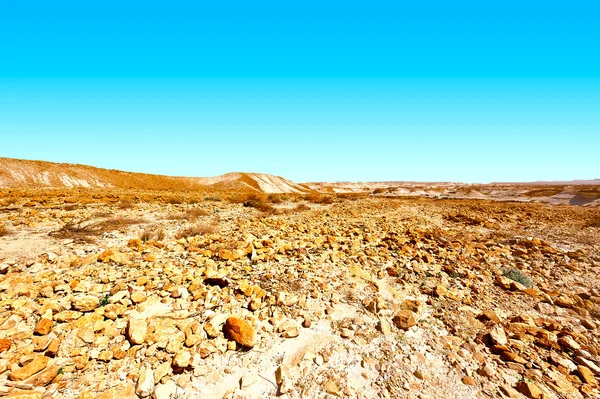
column 18, row 173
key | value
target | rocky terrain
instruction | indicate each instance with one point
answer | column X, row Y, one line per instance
column 145, row 294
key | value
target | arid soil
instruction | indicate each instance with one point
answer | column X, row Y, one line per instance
column 153, row 294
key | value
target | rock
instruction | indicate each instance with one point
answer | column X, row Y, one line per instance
column 35, row 366
column 145, row 383
column 467, row 380
column 18, row 394
column 168, row 390
column 586, row 375
column 137, row 329
column 182, row 359
column 510, row 392
column 162, row 370
column 85, row 303
column 43, row 327
column 568, row 342
column 240, row 331
column 4, row 344
column 404, row 319
column 44, row 377
column 498, row 336
column 529, row 389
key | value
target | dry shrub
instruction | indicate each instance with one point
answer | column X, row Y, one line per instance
column 197, row 229
column 4, row 230
column 175, row 200
column 594, row 222
column 302, row 208
column 70, row 207
column 125, row 204
column 351, row 196
column 195, row 213
column 261, row 206
column 211, row 198
column 190, row 214
column 152, row 233
column 318, row 198
column 83, row 230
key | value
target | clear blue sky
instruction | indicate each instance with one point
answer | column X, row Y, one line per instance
column 315, row 90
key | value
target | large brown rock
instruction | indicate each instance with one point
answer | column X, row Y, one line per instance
column 240, row 331
column 404, row 319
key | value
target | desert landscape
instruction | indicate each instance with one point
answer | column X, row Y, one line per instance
column 246, row 285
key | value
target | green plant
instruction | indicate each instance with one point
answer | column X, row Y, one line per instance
column 104, row 301
column 518, row 276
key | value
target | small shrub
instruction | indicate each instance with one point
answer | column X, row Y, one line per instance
column 70, row 207
column 125, row 204
column 594, row 222
column 318, row 198
column 214, row 199
column 302, row 208
column 197, row 229
column 152, row 233
column 195, row 213
column 82, row 230
column 4, row 231
column 261, row 206
column 104, row 301
column 518, row 276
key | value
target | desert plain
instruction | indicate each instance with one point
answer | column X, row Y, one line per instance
column 117, row 285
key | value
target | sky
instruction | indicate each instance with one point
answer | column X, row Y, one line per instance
column 466, row 91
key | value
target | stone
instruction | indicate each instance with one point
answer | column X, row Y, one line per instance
column 5, row 344
column 43, row 327
column 498, row 336
column 529, row 389
column 168, row 390
column 182, row 359
column 586, row 375
column 31, row 368
column 404, row 319
column 240, row 331
column 467, row 380
column 85, row 303
column 145, row 384
column 137, row 329
column 44, row 377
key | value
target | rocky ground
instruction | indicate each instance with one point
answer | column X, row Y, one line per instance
column 366, row 298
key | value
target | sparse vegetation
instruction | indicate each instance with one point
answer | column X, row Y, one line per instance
column 104, row 301
column 125, row 204
column 152, row 233
column 518, row 276
column 4, row 230
column 83, row 230
column 197, row 229
column 317, row 198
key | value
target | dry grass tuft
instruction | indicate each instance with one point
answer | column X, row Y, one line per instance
column 594, row 222
column 197, row 229
column 84, row 230
column 317, row 198
column 125, row 204
column 190, row 214
column 152, row 233
column 4, row 230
